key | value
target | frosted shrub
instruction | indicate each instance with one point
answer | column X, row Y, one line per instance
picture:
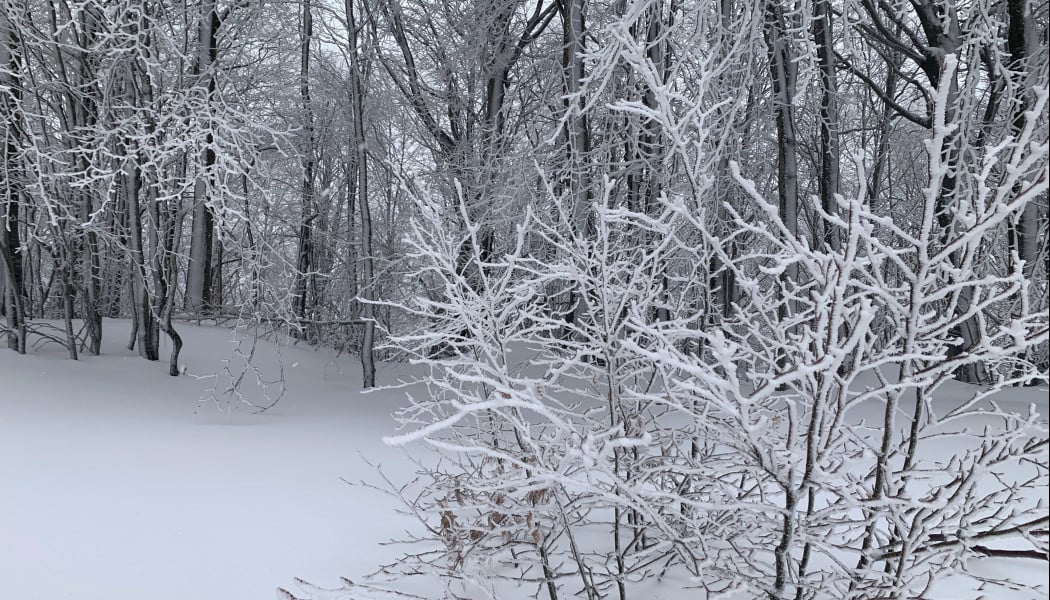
column 810, row 444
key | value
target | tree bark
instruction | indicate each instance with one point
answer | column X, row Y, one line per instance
column 829, row 180
column 304, row 262
column 12, row 297
column 1026, row 234
column 359, row 144
column 84, row 114
column 146, row 323
column 198, row 277
column 783, row 72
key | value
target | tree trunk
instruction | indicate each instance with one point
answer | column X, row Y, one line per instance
column 12, row 298
column 199, row 275
column 360, row 148
column 1023, row 232
column 85, row 117
column 168, row 224
column 304, row 262
column 783, row 73
column 69, row 293
column 146, row 325
column 577, row 138
column 1027, row 229
column 824, row 38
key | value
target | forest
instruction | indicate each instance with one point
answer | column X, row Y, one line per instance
column 718, row 295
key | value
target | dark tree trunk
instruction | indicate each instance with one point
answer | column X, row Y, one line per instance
column 199, row 276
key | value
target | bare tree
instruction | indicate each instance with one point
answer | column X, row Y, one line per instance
column 12, row 297
column 359, row 152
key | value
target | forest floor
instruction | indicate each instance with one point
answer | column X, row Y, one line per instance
column 119, row 482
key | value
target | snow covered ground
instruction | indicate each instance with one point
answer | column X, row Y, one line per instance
column 116, row 482
column 111, row 487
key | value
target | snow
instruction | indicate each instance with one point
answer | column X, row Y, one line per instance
column 113, row 488
column 116, row 482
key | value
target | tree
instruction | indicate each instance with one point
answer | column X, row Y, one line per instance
column 199, row 274
column 359, row 151
column 925, row 35
column 597, row 436
column 12, row 297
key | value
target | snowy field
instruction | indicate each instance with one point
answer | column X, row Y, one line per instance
column 119, row 483
column 113, row 488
